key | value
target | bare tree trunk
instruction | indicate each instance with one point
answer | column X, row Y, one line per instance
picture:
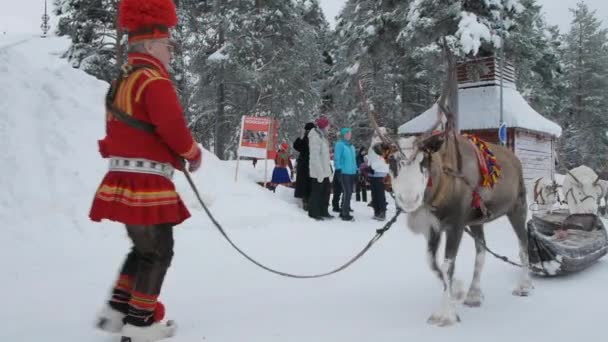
column 220, row 140
column 219, row 117
column 405, row 113
column 579, row 86
column 120, row 52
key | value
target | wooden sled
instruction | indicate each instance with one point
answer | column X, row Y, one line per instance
column 560, row 243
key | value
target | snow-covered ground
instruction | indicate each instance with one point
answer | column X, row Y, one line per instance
column 58, row 266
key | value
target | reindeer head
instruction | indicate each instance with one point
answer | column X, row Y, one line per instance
column 582, row 190
column 409, row 165
column 409, row 159
column 545, row 192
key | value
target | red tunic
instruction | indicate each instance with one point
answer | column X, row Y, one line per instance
column 282, row 160
column 134, row 198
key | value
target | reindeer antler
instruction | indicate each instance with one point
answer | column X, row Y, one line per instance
column 449, row 90
column 372, row 119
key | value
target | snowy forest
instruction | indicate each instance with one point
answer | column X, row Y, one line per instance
column 282, row 59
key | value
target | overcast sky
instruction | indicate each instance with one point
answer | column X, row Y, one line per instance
column 24, row 15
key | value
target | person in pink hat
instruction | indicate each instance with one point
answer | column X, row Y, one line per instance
column 320, row 170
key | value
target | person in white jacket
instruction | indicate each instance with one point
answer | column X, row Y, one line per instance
column 320, row 170
column 378, row 170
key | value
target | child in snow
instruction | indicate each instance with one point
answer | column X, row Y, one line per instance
column 282, row 161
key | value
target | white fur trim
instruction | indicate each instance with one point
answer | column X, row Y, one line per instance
column 110, row 320
column 422, row 221
column 152, row 333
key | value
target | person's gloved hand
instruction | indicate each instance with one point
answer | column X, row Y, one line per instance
column 195, row 164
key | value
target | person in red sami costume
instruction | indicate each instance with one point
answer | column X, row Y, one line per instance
column 137, row 190
column 282, row 161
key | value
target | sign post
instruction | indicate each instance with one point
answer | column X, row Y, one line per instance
column 256, row 140
column 269, row 143
column 238, row 150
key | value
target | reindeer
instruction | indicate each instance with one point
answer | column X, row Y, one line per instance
column 583, row 190
column 443, row 205
column 603, row 207
column 545, row 193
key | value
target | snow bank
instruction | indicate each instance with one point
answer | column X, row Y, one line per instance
column 50, row 115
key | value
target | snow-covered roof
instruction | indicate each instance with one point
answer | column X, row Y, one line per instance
column 479, row 108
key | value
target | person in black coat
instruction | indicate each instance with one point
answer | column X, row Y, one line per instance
column 361, row 185
column 303, row 185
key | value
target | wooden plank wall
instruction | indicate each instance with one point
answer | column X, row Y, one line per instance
column 534, row 151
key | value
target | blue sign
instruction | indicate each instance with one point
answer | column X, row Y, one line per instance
column 502, row 133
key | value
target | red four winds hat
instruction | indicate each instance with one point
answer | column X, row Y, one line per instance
column 147, row 19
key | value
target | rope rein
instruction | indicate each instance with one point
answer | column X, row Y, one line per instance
column 379, row 233
column 483, row 243
column 126, row 118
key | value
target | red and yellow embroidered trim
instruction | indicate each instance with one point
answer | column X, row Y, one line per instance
column 143, row 301
column 136, row 198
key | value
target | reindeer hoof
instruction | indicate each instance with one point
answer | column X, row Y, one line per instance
column 444, row 320
column 523, row 290
column 474, row 298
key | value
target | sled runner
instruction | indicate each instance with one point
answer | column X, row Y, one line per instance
column 560, row 243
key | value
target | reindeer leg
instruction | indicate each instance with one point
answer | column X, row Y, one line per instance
column 446, row 315
column 475, row 296
column 433, row 240
column 517, row 217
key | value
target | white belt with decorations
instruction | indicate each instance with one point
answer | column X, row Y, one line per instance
column 140, row 165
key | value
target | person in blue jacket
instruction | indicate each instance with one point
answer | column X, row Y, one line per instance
column 345, row 158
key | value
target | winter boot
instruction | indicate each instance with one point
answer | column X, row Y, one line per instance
column 381, row 216
column 327, row 217
column 110, row 320
column 155, row 332
column 347, row 218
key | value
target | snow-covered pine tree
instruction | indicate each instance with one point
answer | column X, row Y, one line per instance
column 469, row 25
column 471, row 28
column 586, row 73
column 181, row 34
column 254, row 58
column 91, row 25
column 366, row 49
column 532, row 46
column 311, row 13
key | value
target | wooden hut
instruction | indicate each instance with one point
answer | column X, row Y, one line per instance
column 530, row 135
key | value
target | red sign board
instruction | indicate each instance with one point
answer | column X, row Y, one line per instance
column 258, row 137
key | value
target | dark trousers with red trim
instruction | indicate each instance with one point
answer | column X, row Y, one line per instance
column 143, row 273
